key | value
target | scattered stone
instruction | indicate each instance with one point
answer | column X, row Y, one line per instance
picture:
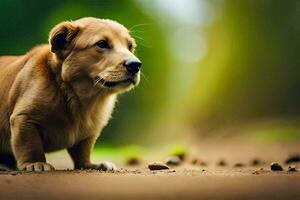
column 293, row 159
column 136, row 171
column 157, row 166
column 173, row 161
column 180, row 155
column 292, row 169
column 256, row 162
column 197, row 161
column 133, row 161
column 276, row 167
column 14, row 173
column 222, row 163
column 239, row 165
column 171, row 171
column 255, row 172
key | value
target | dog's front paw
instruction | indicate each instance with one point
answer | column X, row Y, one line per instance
column 103, row 166
column 36, row 167
column 107, row 166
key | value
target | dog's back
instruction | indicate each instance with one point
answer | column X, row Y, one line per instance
column 9, row 69
column 10, row 66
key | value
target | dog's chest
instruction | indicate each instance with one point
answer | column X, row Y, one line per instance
column 67, row 133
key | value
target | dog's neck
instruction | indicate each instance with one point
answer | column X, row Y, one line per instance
column 79, row 92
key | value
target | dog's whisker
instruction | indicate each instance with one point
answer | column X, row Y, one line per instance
column 141, row 41
column 147, row 81
column 142, row 44
column 103, row 83
column 97, row 78
column 97, row 81
column 139, row 25
column 138, row 37
column 137, row 31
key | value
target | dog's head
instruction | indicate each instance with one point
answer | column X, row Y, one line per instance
column 97, row 50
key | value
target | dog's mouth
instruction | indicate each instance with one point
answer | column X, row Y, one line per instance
column 110, row 84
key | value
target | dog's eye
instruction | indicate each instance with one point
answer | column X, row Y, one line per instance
column 103, row 44
column 130, row 46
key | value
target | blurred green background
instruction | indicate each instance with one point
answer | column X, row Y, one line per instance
column 207, row 64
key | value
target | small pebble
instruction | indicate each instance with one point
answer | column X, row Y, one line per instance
column 276, row 167
column 292, row 159
column 256, row 162
column 180, row 155
column 133, row 161
column 255, row 172
column 157, row 166
column 136, row 171
column 222, row 163
column 197, row 161
column 239, row 165
column 292, row 169
column 171, row 171
column 173, row 161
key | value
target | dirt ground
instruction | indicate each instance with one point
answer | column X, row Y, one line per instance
column 184, row 182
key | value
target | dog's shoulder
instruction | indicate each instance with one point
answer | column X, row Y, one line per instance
column 39, row 60
column 35, row 82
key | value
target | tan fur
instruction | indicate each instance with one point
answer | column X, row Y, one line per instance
column 49, row 99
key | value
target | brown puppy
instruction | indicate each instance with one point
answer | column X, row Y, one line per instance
column 62, row 95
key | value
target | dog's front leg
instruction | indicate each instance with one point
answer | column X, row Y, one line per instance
column 27, row 145
column 81, row 156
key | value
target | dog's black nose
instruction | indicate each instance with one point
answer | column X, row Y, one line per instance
column 132, row 65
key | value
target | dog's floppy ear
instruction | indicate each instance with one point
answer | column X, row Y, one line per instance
column 62, row 35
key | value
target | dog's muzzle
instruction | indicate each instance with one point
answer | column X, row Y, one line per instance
column 132, row 65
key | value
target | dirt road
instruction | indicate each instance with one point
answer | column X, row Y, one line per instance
column 185, row 182
column 179, row 183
